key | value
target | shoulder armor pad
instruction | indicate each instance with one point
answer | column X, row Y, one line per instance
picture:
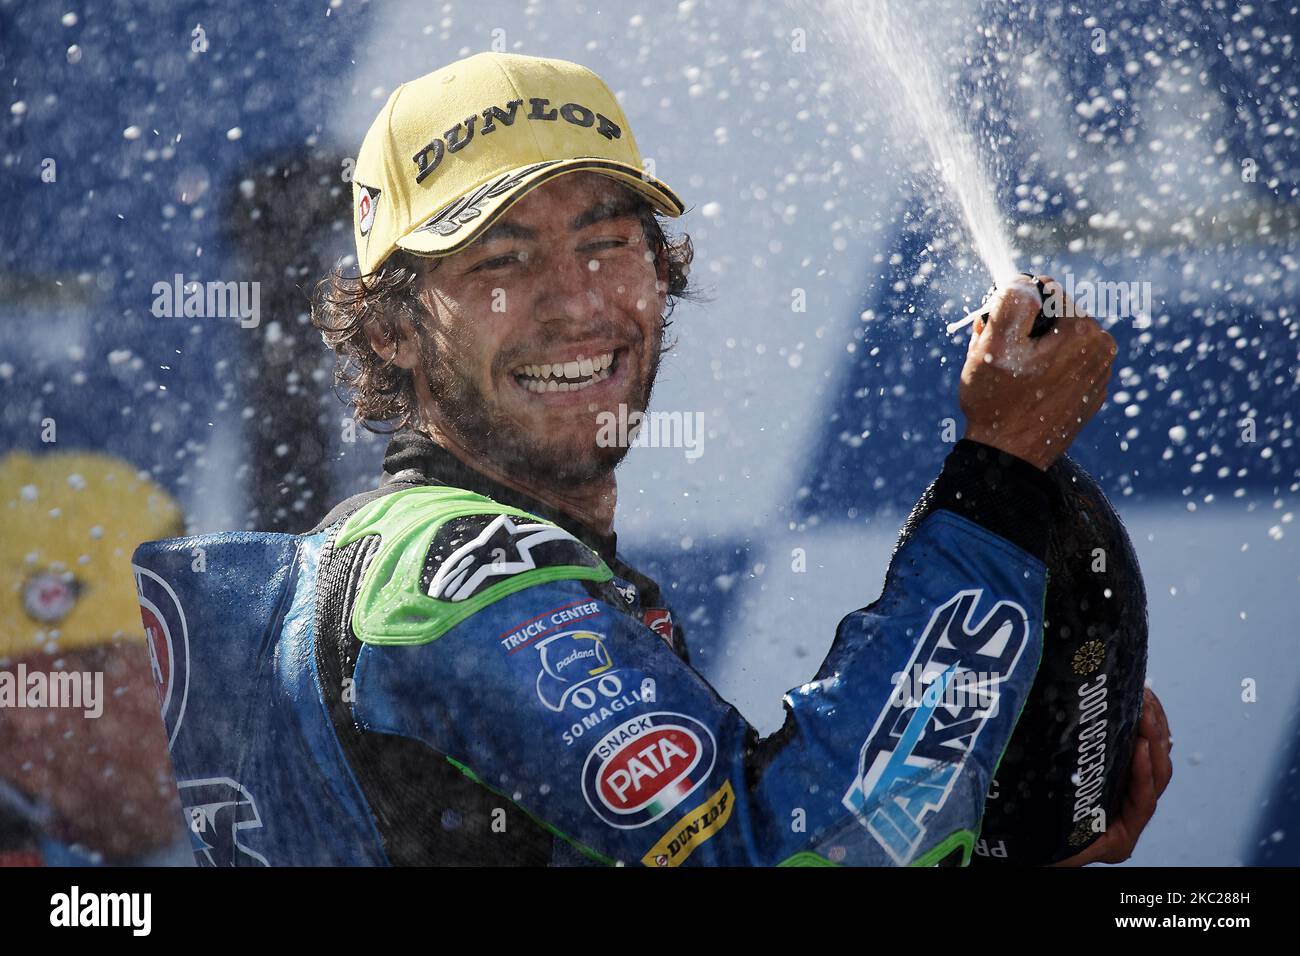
column 445, row 554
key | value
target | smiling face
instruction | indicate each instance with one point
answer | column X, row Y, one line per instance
column 550, row 318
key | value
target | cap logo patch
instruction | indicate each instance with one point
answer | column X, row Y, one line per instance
column 367, row 202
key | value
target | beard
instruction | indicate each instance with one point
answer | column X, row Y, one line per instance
column 485, row 429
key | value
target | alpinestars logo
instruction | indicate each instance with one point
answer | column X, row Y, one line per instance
column 571, row 662
column 916, row 749
column 503, row 548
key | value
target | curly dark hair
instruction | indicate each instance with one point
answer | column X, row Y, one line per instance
column 344, row 304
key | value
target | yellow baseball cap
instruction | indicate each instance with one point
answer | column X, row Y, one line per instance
column 451, row 151
column 71, row 522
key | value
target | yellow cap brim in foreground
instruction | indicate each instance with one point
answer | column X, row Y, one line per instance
column 458, row 224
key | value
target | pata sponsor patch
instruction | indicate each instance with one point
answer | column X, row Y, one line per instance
column 646, row 766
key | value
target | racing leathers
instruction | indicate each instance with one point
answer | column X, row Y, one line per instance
column 447, row 671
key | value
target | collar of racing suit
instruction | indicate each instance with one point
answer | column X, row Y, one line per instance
column 409, row 451
column 415, row 458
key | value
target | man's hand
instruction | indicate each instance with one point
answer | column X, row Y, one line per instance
column 1031, row 397
column 1149, row 774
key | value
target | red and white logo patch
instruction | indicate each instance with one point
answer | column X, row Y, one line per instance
column 645, row 767
column 367, row 203
column 659, row 620
column 48, row 597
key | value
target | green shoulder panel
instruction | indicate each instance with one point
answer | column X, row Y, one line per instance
column 445, row 554
column 960, row 842
column 806, row 858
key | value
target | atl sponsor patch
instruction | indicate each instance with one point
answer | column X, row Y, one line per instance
column 692, row 830
column 916, row 749
column 169, row 646
column 646, row 766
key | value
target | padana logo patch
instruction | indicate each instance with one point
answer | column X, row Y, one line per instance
column 570, row 663
column 645, row 767
column 168, row 638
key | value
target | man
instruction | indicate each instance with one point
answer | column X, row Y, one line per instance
column 475, row 675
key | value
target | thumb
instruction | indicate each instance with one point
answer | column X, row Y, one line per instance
column 1013, row 313
column 976, row 330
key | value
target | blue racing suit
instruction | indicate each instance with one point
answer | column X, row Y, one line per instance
column 310, row 683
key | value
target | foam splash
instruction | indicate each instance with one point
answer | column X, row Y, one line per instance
column 922, row 111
